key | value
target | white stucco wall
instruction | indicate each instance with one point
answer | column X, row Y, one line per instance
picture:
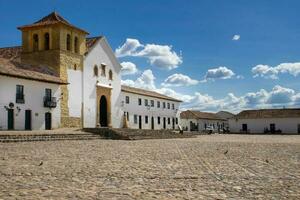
column 286, row 125
column 75, row 92
column 34, row 94
column 101, row 53
column 133, row 108
column 201, row 123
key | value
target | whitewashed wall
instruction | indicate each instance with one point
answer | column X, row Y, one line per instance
column 287, row 125
column 34, row 94
column 133, row 108
column 101, row 53
column 74, row 92
column 201, row 123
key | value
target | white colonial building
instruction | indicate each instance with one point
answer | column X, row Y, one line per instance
column 191, row 120
column 266, row 121
column 61, row 78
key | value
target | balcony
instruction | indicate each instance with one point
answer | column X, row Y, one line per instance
column 20, row 98
column 50, row 102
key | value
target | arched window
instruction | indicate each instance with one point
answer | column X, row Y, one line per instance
column 103, row 69
column 75, row 67
column 76, row 44
column 95, row 70
column 110, row 75
column 47, row 41
column 35, row 42
column 68, row 42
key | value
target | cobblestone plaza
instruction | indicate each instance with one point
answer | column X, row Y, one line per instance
column 206, row 167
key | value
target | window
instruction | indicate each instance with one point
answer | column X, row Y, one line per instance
column 35, row 42
column 152, row 103
column 146, row 119
column 169, row 120
column 140, row 101
column 20, row 94
column 75, row 67
column 103, row 70
column 110, row 74
column 127, row 99
column 146, row 102
column 176, row 120
column 164, row 104
column 48, row 93
column 76, row 44
column 68, row 42
column 135, row 119
column 168, row 105
column 158, row 104
column 47, row 41
column 158, row 120
column 173, row 106
column 95, row 70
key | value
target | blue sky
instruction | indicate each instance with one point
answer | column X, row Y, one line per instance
column 186, row 48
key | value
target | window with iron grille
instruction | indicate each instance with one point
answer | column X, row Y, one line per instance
column 20, row 94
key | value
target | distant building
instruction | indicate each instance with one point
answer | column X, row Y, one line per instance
column 199, row 121
column 61, row 78
column 226, row 116
column 266, row 121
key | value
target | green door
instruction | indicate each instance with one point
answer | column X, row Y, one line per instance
column 10, row 119
column 27, row 119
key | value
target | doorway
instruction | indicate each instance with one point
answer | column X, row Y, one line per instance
column 272, row 128
column 299, row 128
column 140, row 122
column 164, row 123
column 27, row 119
column 152, row 123
column 48, row 121
column 10, row 119
column 173, row 123
column 244, row 128
column 103, row 111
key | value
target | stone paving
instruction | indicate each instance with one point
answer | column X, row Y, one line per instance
column 206, row 167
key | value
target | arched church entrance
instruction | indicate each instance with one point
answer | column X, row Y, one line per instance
column 103, row 111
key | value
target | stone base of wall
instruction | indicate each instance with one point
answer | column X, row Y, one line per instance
column 71, row 122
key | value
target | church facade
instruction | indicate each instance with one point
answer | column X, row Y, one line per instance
column 61, row 78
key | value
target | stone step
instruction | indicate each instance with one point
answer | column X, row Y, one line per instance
column 137, row 134
column 47, row 137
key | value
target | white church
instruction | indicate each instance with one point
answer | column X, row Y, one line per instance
column 61, row 78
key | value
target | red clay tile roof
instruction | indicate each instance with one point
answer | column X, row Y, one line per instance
column 90, row 42
column 16, row 69
column 146, row 93
column 269, row 113
column 11, row 53
column 52, row 18
column 191, row 114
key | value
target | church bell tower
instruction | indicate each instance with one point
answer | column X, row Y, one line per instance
column 53, row 42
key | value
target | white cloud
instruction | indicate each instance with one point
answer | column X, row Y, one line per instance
column 219, row 73
column 161, row 56
column 128, row 48
column 269, row 72
column 179, row 80
column 171, row 93
column 128, row 68
column 145, row 81
column 236, row 37
column 277, row 97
